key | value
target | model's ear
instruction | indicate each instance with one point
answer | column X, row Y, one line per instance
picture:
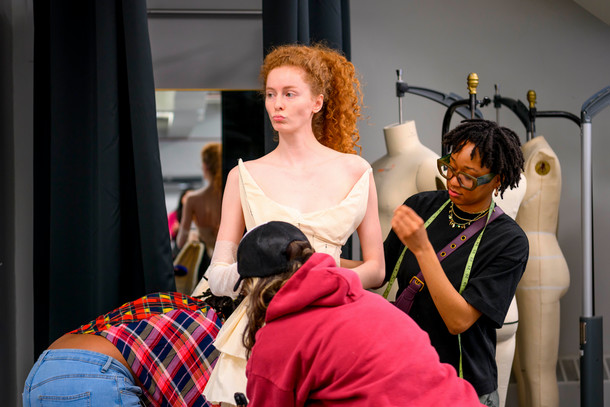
column 318, row 103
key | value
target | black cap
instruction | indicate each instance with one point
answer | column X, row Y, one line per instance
column 262, row 251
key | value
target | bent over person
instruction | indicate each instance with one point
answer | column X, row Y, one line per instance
column 456, row 257
column 316, row 337
column 156, row 350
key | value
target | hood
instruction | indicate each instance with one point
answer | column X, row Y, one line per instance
column 318, row 283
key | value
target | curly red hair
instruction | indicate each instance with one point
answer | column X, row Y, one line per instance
column 328, row 73
column 211, row 156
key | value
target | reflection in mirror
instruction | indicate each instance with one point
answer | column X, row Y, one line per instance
column 192, row 126
column 189, row 129
column 187, row 120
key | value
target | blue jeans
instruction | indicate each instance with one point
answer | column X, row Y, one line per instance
column 74, row 377
column 492, row 399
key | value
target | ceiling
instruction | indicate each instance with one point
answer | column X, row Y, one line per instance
column 599, row 8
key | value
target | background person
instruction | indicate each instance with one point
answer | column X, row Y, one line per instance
column 203, row 205
column 156, row 349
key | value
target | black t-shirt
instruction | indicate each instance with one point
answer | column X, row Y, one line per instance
column 497, row 268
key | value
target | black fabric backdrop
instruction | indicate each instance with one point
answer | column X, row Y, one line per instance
column 100, row 226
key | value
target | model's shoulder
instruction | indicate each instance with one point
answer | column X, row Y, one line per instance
column 354, row 162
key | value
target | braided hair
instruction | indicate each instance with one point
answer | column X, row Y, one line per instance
column 499, row 148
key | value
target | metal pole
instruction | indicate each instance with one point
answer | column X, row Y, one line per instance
column 586, row 219
column 591, row 328
column 399, row 75
column 473, row 83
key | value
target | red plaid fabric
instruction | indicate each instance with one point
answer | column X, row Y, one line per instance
column 166, row 338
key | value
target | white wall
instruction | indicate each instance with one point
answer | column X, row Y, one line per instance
column 551, row 46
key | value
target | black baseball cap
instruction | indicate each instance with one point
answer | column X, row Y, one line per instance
column 262, row 251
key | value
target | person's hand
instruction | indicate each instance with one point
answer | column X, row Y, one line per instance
column 410, row 228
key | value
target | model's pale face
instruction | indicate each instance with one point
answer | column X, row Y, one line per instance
column 289, row 102
column 480, row 198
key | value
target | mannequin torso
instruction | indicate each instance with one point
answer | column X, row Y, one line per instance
column 545, row 281
column 409, row 167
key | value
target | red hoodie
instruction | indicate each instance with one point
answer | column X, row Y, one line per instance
column 329, row 342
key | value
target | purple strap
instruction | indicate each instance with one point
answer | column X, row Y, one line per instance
column 405, row 299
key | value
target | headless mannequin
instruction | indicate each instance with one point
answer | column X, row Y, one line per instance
column 506, row 336
column 409, row 167
column 545, row 281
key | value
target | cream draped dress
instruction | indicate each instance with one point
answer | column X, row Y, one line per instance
column 327, row 230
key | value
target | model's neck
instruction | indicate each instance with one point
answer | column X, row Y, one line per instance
column 401, row 137
column 294, row 150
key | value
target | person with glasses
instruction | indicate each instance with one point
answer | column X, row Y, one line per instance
column 456, row 257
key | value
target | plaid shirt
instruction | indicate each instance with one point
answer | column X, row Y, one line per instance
column 166, row 338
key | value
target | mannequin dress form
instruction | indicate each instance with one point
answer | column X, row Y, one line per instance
column 545, row 281
column 408, row 167
column 506, row 336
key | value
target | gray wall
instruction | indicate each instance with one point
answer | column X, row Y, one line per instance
column 16, row 197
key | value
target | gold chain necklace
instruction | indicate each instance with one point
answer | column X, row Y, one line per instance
column 467, row 222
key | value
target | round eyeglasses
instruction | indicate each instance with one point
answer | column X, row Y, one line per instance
column 466, row 181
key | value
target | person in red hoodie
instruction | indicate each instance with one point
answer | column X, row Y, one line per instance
column 315, row 337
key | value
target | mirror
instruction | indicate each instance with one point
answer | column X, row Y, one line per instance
column 187, row 122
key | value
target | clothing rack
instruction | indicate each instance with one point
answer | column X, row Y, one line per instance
column 439, row 97
column 472, row 103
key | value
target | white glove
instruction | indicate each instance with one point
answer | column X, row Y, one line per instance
column 222, row 273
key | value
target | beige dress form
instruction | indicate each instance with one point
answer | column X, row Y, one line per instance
column 545, row 281
column 408, row 167
column 506, row 336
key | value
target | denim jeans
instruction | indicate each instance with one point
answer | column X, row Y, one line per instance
column 74, row 378
column 492, row 399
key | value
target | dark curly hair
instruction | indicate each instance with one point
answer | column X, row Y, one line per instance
column 499, row 148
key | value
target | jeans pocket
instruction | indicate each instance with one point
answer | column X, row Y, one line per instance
column 75, row 400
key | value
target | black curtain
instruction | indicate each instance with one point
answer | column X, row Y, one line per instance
column 100, row 226
column 306, row 22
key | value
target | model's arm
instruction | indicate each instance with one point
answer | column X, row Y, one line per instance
column 222, row 272
column 371, row 270
column 456, row 312
column 185, row 222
